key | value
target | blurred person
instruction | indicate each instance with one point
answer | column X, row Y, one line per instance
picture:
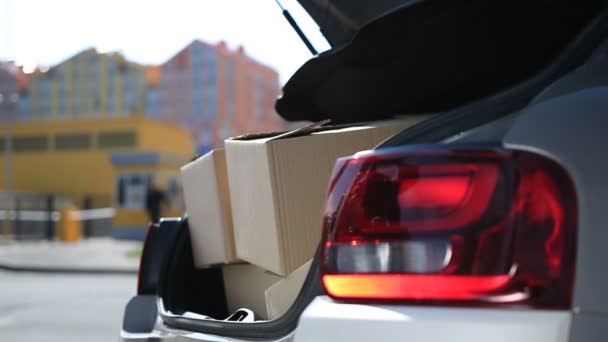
column 155, row 197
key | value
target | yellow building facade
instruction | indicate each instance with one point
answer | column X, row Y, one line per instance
column 107, row 161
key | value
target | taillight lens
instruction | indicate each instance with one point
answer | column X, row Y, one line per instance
column 450, row 226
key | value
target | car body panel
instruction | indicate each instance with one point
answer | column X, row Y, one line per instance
column 573, row 130
column 570, row 129
column 326, row 320
column 574, row 133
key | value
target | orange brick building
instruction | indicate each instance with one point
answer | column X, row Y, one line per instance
column 215, row 92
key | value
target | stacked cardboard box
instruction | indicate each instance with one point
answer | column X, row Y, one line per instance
column 263, row 204
column 207, row 200
column 278, row 186
column 281, row 295
column 245, row 285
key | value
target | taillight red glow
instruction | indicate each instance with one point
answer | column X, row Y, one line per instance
column 442, row 191
column 392, row 286
column 460, row 225
column 397, row 198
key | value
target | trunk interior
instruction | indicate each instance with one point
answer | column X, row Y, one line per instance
column 202, row 293
column 184, row 288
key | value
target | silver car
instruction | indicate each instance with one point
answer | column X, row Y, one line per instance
column 483, row 223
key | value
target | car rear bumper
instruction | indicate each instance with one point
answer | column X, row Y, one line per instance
column 165, row 334
column 139, row 328
column 326, row 320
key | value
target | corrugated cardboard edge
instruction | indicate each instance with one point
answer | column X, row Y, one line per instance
column 239, row 239
column 278, row 215
column 220, row 205
column 190, row 207
column 240, row 295
column 221, row 174
column 300, row 131
column 293, row 290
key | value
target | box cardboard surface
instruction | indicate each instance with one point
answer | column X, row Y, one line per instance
column 280, row 296
column 207, row 200
column 245, row 285
column 279, row 185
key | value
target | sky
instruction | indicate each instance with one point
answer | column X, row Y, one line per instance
column 45, row 32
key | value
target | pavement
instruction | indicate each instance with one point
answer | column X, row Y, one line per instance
column 54, row 307
column 96, row 255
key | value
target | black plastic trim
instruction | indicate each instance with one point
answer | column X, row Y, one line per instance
column 140, row 315
column 158, row 241
column 511, row 100
column 185, row 288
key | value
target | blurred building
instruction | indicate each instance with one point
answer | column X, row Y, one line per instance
column 106, row 162
column 88, row 84
column 9, row 74
column 215, row 92
column 101, row 127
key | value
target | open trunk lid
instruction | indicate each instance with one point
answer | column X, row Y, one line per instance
column 425, row 56
column 339, row 20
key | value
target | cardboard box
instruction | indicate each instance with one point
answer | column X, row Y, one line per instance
column 245, row 285
column 207, row 200
column 278, row 187
column 280, row 296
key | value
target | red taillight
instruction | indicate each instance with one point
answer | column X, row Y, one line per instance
column 450, row 225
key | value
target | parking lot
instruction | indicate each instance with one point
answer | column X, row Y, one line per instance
column 60, row 307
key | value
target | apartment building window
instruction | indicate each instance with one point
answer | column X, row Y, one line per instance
column 24, row 107
column 110, row 86
column 108, row 140
column 127, row 91
column 44, row 98
column 128, row 103
column 152, row 102
column 210, row 83
column 75, row 88
column 205, row 138
column 230, row 88
column 33, row 143
column 73, row 141
column 61, row 91
column 95, row 86
column 197, row 93
column 260, row 92
column 226, row 130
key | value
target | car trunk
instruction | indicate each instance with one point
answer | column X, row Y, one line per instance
column 184, row 288
column 187, row 292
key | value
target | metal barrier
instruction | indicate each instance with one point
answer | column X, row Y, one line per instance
column 66, row 224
